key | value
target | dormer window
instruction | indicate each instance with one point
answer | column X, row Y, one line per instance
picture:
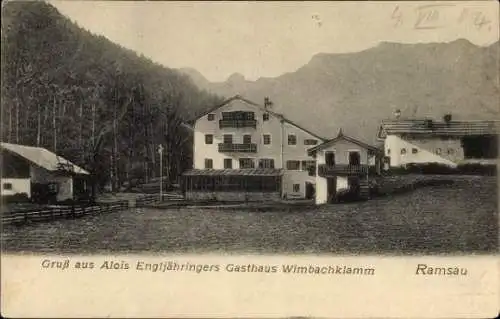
column 265, row 117
column 211, row 117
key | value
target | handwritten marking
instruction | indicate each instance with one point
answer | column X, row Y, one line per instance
column 479, row 19
column 436, row 16
column 398, row 16
column 428, row 16
column 318, row 19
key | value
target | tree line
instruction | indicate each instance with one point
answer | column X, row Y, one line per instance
column 92, row 101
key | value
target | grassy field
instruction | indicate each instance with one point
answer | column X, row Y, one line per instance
column 458, row 218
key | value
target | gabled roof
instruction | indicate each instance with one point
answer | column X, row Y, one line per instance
column 261, row 107
column 43, row 158
column 438, row 128
column 341, row 137
column 235, row 172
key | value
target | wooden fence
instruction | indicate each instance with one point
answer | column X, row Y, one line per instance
column 22, row 217
column 152, row 199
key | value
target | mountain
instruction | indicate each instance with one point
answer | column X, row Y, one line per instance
column 355, row 91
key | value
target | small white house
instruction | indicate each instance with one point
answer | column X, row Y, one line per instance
column 342, row 165
column 23, row 166
column 445, row 142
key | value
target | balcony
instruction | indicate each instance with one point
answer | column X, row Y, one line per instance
column 237, row 123
column 342, row 169
column 239, row 148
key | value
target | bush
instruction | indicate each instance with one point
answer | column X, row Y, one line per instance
column 442, row 169
column 16, row 198
column 478, row 169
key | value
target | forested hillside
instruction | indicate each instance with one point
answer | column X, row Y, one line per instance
column 90, row 100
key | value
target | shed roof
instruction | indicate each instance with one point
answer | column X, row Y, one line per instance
column 43, row 158
column 235, row 172
column 438, row 128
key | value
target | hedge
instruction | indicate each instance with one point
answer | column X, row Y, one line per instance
column 441, row 169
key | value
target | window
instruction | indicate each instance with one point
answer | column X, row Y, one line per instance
column 247, row 163
column 310, row 141
column 7, row 186
column 209, row 138
column 311, row 170
column 403, row 151
column 438, row 151
column 228, row 139
column 265, row 117
column 267, row 139
column 388, row 151
column 209, row 163
column 247, row 139
column 266, row 163
column 307, row 164
column 310, row 167
column 293, row 165
column 414, row 151
column 238, row 115
column 451, row 151
column 228, row 163
column 292, row 139
column 296, row 188
column 211, row 117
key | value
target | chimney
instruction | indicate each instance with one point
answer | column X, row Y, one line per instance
column 267, row 103
column 447, row 119
column 397, row 114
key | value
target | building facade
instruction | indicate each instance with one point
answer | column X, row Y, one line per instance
column 445, row 142
column 344, row 166
column 241, row 137
column 27, row 170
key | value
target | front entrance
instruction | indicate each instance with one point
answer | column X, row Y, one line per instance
column 331, row 189
column 330, row 158
column 310, row 190
column 354, row 158
column 354, row 185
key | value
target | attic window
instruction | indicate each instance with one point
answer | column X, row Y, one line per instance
column 403, row 151
column 265, row 117
column 310, row 141
column 414, row 151
column 211, row 117
column 438, row 151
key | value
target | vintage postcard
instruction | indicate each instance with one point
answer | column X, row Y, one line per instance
column 250, row 159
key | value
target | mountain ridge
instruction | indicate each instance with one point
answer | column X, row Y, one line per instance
column 355, row 91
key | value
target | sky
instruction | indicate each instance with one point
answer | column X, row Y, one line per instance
column 267, row 39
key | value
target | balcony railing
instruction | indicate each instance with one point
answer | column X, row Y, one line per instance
column 241, row 148
column 341, row 169
column 237, row 123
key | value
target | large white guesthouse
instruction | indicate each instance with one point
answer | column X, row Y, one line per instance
column 245, row 151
